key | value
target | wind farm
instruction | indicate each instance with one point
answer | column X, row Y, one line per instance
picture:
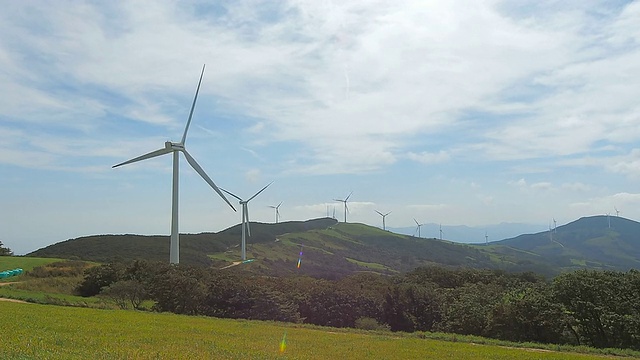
column 176, row 149
column 246, row 229
column 409, row 169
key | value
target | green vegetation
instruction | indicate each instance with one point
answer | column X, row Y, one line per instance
column 330, row 249
column 373, row 266
column 591, row 308
column 50, row 332
column 50, row 281
column 24, row 262
column 5, row 251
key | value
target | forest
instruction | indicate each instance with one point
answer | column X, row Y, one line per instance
column 585, row 307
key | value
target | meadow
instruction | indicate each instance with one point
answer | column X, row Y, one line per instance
column 33, row 331
column 25, row 263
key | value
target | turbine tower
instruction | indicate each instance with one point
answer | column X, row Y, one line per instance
column 554, row 225
column 277, row 210
column 245, row 218
column 617, row 212
column 346, row 208
column 418, row 227
column 486, row 238
column 176, row 148
column 384, row 226
column 440, row 231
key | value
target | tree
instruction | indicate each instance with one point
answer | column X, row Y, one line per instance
column 5, row 251
column 98, row 277
column 126, row 292
column 604, row 306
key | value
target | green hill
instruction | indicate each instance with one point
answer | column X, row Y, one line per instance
column 596, row 242
column 331, row 249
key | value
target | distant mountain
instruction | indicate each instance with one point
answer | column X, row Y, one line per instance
column 605, row 242
column 471, row 234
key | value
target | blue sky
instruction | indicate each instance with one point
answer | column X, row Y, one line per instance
column 454, row 112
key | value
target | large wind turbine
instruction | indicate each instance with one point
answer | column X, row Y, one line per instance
column 245, row 218
column 176, row 148
column 384, row 226
column 418, row 227
column 277, row 210
column 345, row 205
column 441, row 232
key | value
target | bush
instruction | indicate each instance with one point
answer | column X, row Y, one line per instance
column 367, row 323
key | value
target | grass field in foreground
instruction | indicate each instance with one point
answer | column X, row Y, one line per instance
column 31, row 331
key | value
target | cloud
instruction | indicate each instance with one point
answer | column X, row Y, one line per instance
column 253, row 175
column 552, row 82
column 429, row 158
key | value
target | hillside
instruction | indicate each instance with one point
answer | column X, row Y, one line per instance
column 194, row 248
column 586, row 242
column 332, row 249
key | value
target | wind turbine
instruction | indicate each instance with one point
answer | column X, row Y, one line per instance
column 554, row 225
column 384, row 226
column 346, row 208
column 440, row 231
column 418, row 227
column 617, row 212
column 245, row 218
column 176, row 148
column 277, row 209
column 486, row 238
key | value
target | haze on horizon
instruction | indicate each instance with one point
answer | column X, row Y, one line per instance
column 457, row 112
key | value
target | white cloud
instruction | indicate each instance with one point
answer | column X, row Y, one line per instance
column 429, row 158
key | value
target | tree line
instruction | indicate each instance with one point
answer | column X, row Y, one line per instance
column 585, row 307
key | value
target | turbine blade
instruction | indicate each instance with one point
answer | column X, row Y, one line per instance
column 184, row 136
column 261, row 190
column 416, row 221
column 246, row 214
column 279, row 204
column 347, row 198
column 194, row 164
column 146, row 156
column 387, row 213
column 379, row 212
column 232, row 194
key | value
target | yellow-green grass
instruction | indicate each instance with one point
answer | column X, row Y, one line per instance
column 370, row 265
column 23, row 262
column 33, row 331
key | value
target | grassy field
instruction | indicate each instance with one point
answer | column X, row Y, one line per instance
column 32, row 331
column 25, row 263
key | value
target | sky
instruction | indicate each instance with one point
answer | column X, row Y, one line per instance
column 450, row 112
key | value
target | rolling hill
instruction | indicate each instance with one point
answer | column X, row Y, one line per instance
column 604, row 242
column 331, row 249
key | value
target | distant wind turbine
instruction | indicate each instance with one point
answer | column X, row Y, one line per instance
column 554, row 225
column 176, row 148
column 486, row 237
column 346, row 208
column 245, row 218
column 440, row 231
column 277, row 211
column 384, row 226
column 418, row 227
column 617, row 212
